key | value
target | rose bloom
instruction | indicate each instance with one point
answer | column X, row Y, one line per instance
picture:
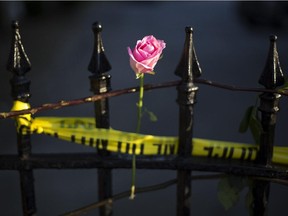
column 145, row 55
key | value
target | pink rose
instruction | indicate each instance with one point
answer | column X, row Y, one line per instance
column 146, row 55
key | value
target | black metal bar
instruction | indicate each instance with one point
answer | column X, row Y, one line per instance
column 19, row 65
column 186, row 99
column 92, row 161
column 100, row 83
column 271, row 78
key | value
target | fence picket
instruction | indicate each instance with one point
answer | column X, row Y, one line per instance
column 100, row 83
column 186, row 99
column 271, row 78
column 19, row 65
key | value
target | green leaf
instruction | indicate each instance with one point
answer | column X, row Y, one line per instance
column 255, row 128
column 227, row 195
column 151, row 115
column 229, row 189
column 244, row 124
column 252, row 122
column 151, row 72
column 284, row 87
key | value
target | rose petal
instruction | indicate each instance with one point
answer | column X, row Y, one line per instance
column 146, row 54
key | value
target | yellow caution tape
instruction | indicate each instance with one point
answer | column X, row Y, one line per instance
column 22, row 120
column 82, row 130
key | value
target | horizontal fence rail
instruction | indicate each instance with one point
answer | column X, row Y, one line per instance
column 262, row 170
column 90, row 161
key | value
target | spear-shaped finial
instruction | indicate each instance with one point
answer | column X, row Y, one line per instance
column 272, row 75
column 189, row 63
column 99, row 64
column 18, row 62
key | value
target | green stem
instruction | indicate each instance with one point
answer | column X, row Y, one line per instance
column 132, row 193
column 139, row 117
column 140, row 103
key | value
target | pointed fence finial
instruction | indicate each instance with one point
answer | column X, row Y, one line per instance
column 189, row 62
column 19, row 64
column 99, row 64
column 272, row 75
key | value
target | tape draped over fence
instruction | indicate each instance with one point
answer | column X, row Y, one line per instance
column 82, row 130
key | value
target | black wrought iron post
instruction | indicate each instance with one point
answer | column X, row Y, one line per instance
column 19, row 65
column 188, row 69
column 271, row 78
column 100, row 83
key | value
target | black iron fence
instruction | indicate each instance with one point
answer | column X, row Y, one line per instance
column 183, row 163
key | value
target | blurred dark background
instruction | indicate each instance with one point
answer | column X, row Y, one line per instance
column 231, row 41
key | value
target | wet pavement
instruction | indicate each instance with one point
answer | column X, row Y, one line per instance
column 59, row 42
